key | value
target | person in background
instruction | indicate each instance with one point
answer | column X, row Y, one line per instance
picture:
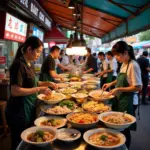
column 64, row 58
column 144, row 65
column 59, row 67
column 24, row 86
column 112, row 67
column 91, row 63
column 48, row 72
column 103, row 67
column 128, row 83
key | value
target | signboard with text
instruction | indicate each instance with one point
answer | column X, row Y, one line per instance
column 34, row 9
column 15, row 29
column 38, row 33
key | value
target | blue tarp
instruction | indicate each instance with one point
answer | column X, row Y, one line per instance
column 139, row 45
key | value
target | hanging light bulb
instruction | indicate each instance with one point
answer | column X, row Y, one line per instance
column 71, row 5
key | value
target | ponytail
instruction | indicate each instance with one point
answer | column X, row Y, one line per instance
column 131, row 52
column 121, row 47
column 19, row 52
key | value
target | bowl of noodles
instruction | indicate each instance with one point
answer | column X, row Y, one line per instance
column 83, row 120
column 117, row 120
column 53, row 98
column 103, row 138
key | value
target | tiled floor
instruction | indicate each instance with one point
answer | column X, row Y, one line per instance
column 140, row 138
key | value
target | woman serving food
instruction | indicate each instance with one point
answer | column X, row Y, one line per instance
column 128, row 83
column 21, row 110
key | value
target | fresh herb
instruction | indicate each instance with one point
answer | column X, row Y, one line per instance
column 104, row 137
column 40, row 133
column 68, row 103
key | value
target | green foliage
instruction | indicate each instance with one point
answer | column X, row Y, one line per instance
column 144, row 36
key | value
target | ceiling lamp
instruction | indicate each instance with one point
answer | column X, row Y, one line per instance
column 76, row 12
column 75, row 27
column 71, row 5
column 79, row 20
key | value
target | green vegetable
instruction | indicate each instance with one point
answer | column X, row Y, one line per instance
column 40, row 133
column 68, row 103
column 104, row 137
column 39, row 139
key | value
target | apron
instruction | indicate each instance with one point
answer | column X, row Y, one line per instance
column 109, row 75
column 124, row 100
column 45, row 77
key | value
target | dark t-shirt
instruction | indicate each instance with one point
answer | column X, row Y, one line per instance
column 22, row 75
column 48, row 65
column 92, row 63
column 143, row 63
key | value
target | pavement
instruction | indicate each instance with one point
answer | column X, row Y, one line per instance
column 140, row 138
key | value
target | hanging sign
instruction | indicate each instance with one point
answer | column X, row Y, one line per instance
column 15, row 29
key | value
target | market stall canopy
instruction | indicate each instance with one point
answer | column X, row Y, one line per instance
column 139, row 45
column 55, row 35
column 147, row 45
column 106, row 19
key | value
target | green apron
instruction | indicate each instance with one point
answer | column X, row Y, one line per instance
column 45, row 77
column 30, row 105
column 124, row 100
column 109, row 75
column 102, row 79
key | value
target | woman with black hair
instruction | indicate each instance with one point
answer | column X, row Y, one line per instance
column 127, row 83
column 21, row 106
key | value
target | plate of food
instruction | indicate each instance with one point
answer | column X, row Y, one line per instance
column 64, row 75
column 96, row 107
column 84, row 91
column 83, row 119
column 75, row 79
column 68, row 103
column 88, row 75
column 68, row 90
column 62, row 85
column 91, row 82
column 60, row 80
column 55, row 109
column 39, row 136
column 80, row 97
column 53, row 98
column 100, row 95
column 103, row 138
column 51, row 121
column 68, row 134
column 90, row 87
column 76, row 86
column 117, row 120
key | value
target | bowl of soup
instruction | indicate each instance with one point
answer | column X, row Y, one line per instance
column 103, row 138
column 39, row 136
column 117, row 120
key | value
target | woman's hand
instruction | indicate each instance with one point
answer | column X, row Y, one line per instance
column 96, row 74
column 53, row 85
column 44, row 90
column 106, row 86
column 114, row 91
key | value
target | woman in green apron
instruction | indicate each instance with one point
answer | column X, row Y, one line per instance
column 20, row 110
column 128, row 83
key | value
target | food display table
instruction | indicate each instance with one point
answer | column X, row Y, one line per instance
column 58, row 145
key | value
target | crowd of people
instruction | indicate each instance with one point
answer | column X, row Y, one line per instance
column 118, row 70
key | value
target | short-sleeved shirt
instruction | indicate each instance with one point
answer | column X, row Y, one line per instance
column 144, row 63
column 113, row 66
column 65, row 60
column 23, row 76
column 48, row 65
column 92, row 63
column 133, row 76
column 104, row 66
column 56, row 62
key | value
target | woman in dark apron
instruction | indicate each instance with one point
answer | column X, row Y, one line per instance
column 127, row 83
column 21, row 107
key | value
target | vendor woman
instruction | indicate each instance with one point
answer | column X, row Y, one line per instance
column 128, row 83
column 48, row 70
column 21, row 110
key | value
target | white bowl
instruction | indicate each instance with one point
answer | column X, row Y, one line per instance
column 88, row 75
column 88, row 133
column 91, row 82
column 62, row 96
column 76, row 83
column 28, row 131
column 38, row 121
column 64, row 134
column 82, row 125
column 96, row 93
column 116, row 126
